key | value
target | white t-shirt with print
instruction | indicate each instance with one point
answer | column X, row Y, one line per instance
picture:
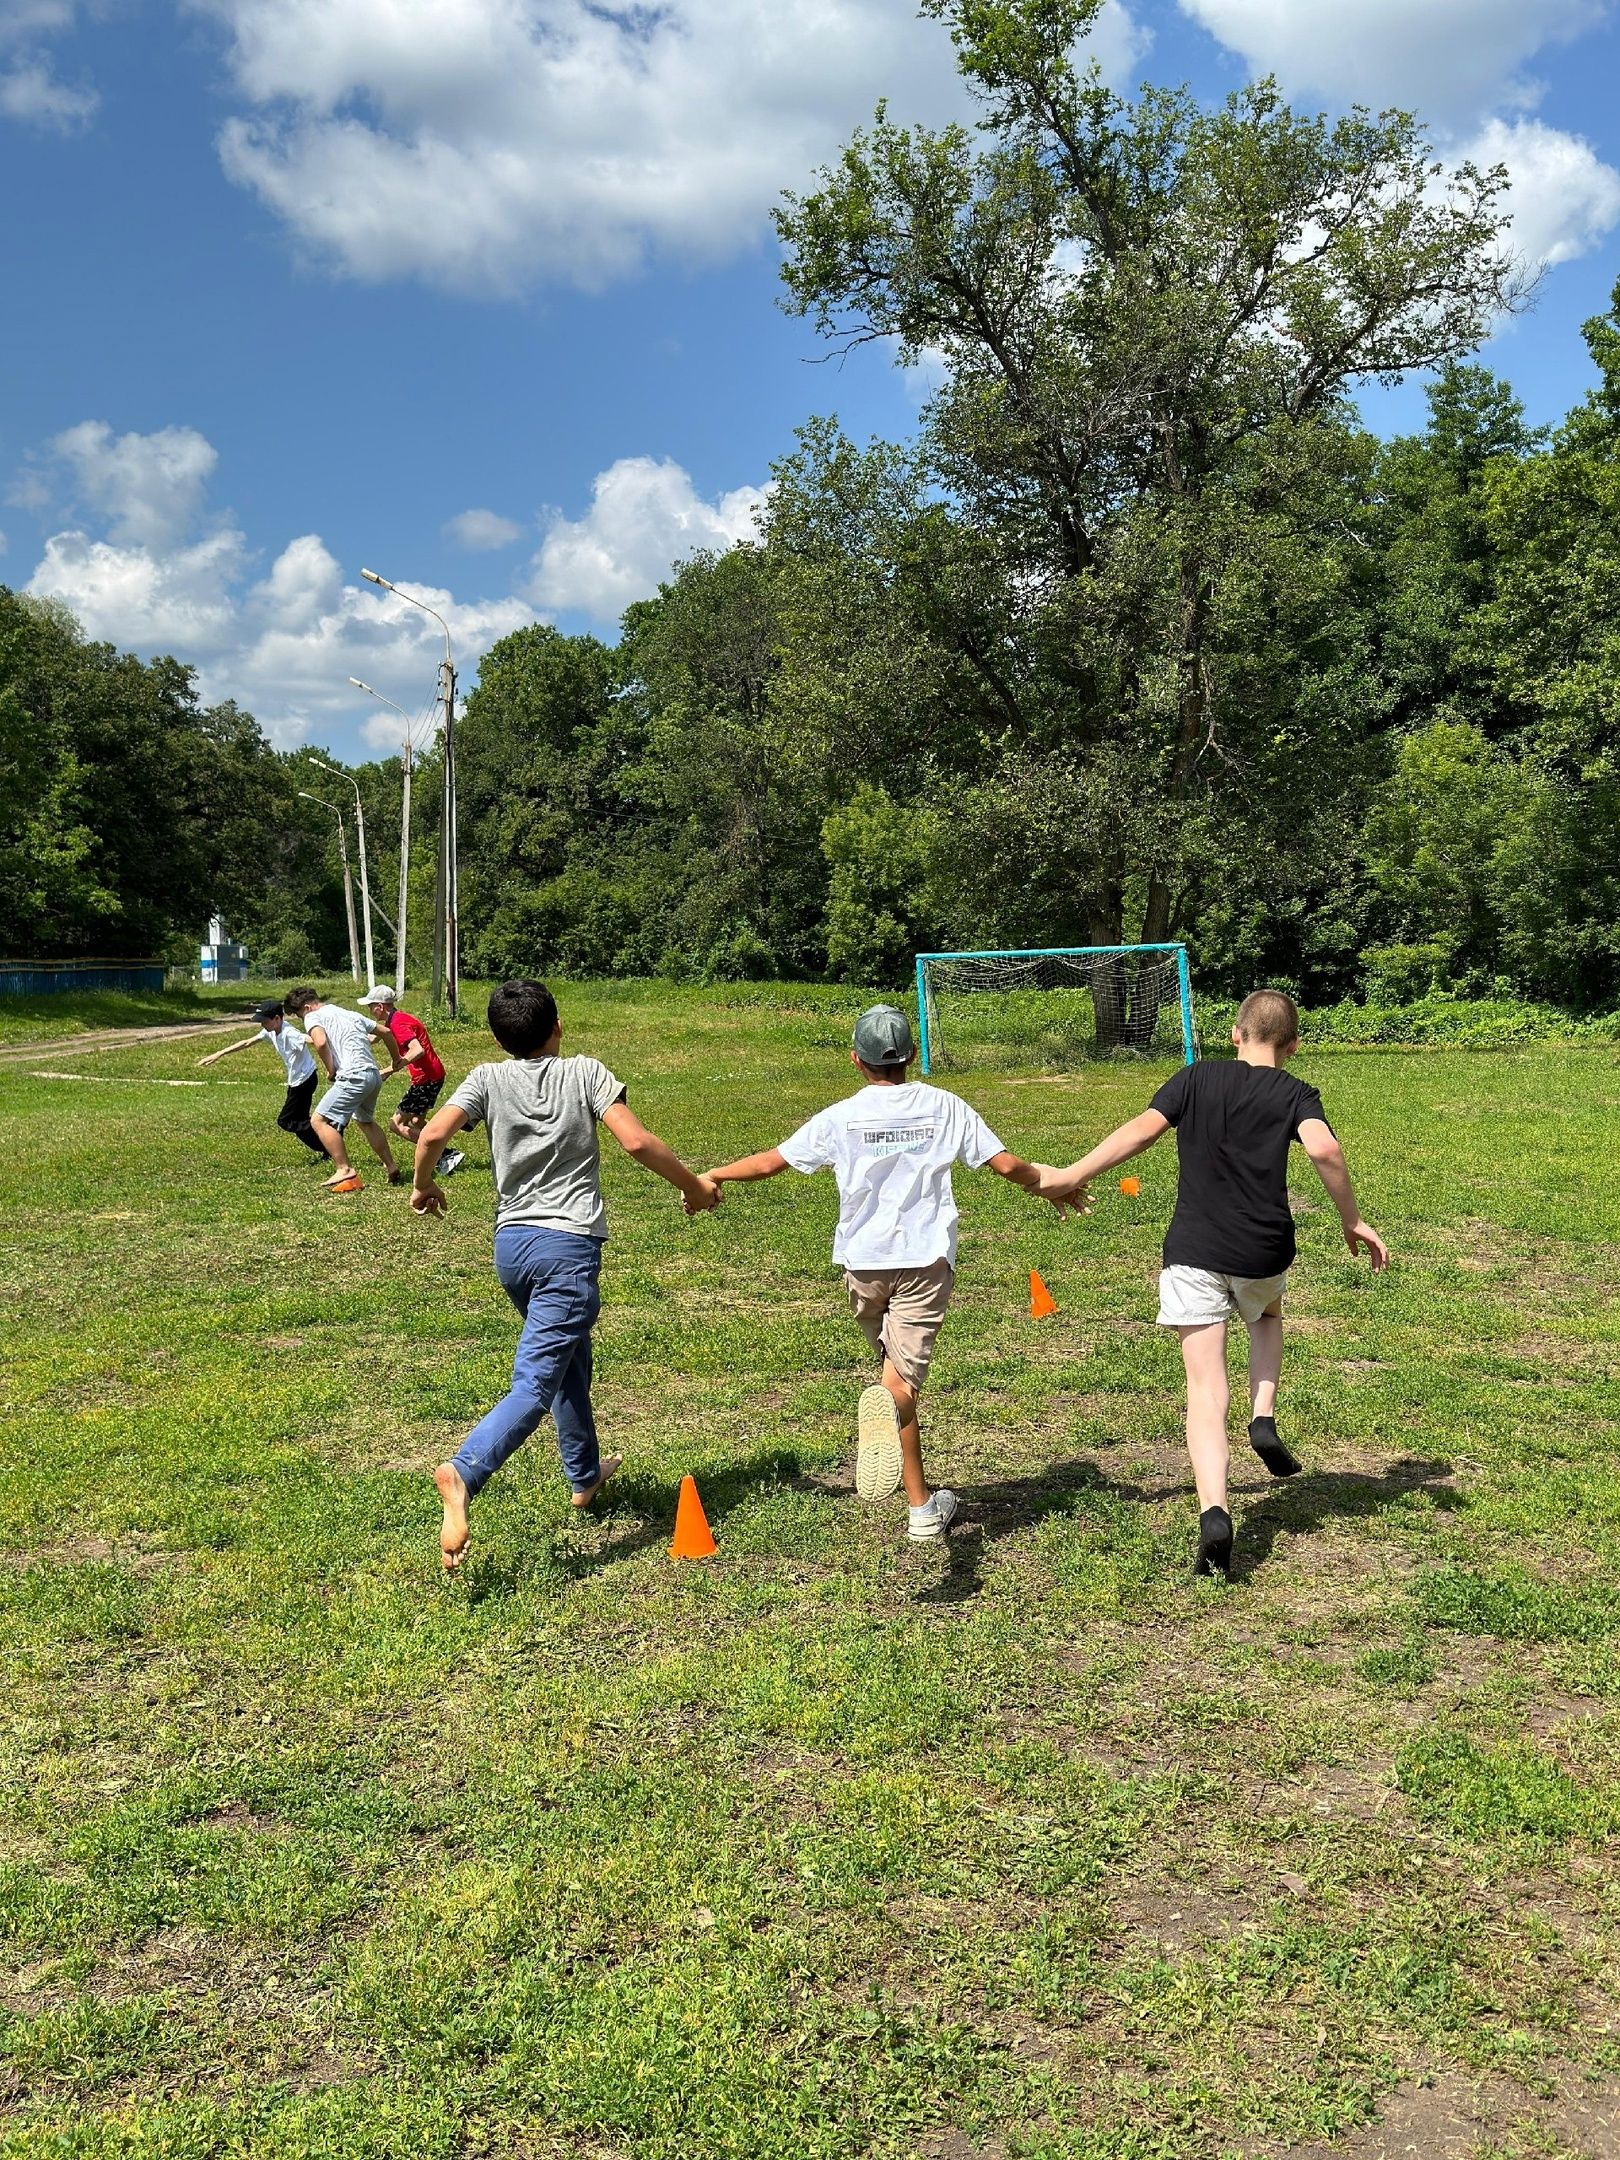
column 293, row 1050
column 349, row 1037
column 891, row 1149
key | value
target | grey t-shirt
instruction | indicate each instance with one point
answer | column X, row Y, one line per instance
column 541, row 1114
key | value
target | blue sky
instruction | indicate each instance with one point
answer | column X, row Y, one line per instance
column 295, row 286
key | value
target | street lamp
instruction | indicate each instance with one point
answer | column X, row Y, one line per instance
column 449, row 866
column 404, row 831
column 348, row 882
column 365, row 882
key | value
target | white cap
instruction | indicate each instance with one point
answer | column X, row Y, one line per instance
column 378, row 994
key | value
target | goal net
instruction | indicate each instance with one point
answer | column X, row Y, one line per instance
column 1054, row 1007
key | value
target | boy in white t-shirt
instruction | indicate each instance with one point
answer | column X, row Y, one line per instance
column 342, row 1040
column 291, row 1045
column 891, row 1147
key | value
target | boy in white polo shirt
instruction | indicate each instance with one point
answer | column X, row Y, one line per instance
column 891, row 1147
column 291, row 1045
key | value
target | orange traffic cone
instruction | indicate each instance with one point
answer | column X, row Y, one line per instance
column 1130, row 1187
column 694, row 1540
column 1042, row 1304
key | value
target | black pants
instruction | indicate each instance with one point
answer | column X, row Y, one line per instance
column 294, row 1116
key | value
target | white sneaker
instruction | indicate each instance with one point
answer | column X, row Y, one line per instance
column 450, row 1162
column 877, row 1450
column 934, row 1518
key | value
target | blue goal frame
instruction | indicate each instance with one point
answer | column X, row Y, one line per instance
column 1063, row 952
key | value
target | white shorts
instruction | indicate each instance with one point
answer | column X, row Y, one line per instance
column 1198, row 1297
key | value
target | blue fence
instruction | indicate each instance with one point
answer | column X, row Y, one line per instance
column 33, row 978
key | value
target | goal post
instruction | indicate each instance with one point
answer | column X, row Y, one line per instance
column 1064, row 1000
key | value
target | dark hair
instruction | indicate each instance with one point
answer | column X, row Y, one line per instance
column 1268, row 1016
column 296, row 1000
column 522, row 1016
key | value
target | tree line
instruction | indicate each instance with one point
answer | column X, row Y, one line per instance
column 1142, row 635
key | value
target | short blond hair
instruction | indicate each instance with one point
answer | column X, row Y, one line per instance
column 1268, row 1016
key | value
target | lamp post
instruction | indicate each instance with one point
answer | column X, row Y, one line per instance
column 348, row 882
column 404, row 831
column 360, row 842
column 449, row 865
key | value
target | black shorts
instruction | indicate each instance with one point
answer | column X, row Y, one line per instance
column 419, row 1098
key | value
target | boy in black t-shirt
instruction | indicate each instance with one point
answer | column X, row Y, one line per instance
column 1231, row 1239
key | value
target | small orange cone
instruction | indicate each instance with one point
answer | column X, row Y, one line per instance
column 1042, row 1304
column 1130, row 1187
column 694, row 1540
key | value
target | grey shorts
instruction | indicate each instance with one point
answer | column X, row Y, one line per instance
column 900, row 1311
column 351, row 1095
column 1198, row 1297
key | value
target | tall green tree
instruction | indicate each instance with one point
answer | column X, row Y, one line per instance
column 1150, row 317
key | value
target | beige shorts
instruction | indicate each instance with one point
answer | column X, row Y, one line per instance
column 900, row 1311
column 1198, row 1297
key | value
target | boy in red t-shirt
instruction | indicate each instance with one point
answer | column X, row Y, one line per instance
column 415, row 1046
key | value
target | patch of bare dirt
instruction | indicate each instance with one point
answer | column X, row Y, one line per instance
column 1449, row 2116
column 1187, row 1917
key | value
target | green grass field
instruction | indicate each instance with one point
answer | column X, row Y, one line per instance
column 833, row 1846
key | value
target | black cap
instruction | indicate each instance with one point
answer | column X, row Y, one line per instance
column 269, row 1010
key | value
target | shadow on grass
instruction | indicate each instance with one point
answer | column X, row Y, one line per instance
column 1298, row 1506
column 504, row 1569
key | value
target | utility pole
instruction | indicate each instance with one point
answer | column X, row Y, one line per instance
column 404, row 834
column 452, row 862
column 365, row 882
column 446, row 948
column 404, row 872
column 348, row 881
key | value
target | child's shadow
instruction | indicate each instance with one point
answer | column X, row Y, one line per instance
column 636, row 1512
column 1296, row 1505
column 1309, row 1502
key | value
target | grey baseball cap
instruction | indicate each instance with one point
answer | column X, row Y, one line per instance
column 378, row 994
column 883, row 1036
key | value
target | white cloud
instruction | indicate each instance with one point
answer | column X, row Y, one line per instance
column 645, row 515
column 485, row 144
column 174, row 601
column 149, row 487
column 30, row 89
column 1564, row 199
column 1451, row 60
column 162, row 578
column 479, row 530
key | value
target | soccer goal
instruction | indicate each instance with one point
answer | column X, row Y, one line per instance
column 1054, row 1005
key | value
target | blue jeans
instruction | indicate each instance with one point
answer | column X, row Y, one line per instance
column 550, row 1276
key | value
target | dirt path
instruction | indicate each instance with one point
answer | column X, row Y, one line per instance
column 117, row 1038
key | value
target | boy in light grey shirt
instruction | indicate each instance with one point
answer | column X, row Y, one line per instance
column 542, row 1111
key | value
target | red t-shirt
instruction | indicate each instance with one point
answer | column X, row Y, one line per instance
column 405, row 1029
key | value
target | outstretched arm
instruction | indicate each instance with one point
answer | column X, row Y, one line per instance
column 646, row 1148
column 229, row 1050
column 769, row 1162
column 1316, row 1138
column 435, row 1136
column 1134, row 1138
column 1028, row 1175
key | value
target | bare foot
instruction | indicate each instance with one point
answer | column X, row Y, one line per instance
column 611, row 1465
column 337, row 1176
column 454, row 1534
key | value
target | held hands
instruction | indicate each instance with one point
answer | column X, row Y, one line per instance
column 1064, row 1190
column 705, row 1198
column 431, row 1202
column 1358, row 1235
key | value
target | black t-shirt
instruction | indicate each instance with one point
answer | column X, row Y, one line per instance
column 1234, row 1125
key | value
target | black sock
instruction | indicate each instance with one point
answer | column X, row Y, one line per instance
column 1279, row 1460
column 1214, row 1542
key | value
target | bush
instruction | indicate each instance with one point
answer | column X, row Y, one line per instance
column 1438, row 1020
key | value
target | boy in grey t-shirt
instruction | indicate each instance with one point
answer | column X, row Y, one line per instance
column 542, row 1111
